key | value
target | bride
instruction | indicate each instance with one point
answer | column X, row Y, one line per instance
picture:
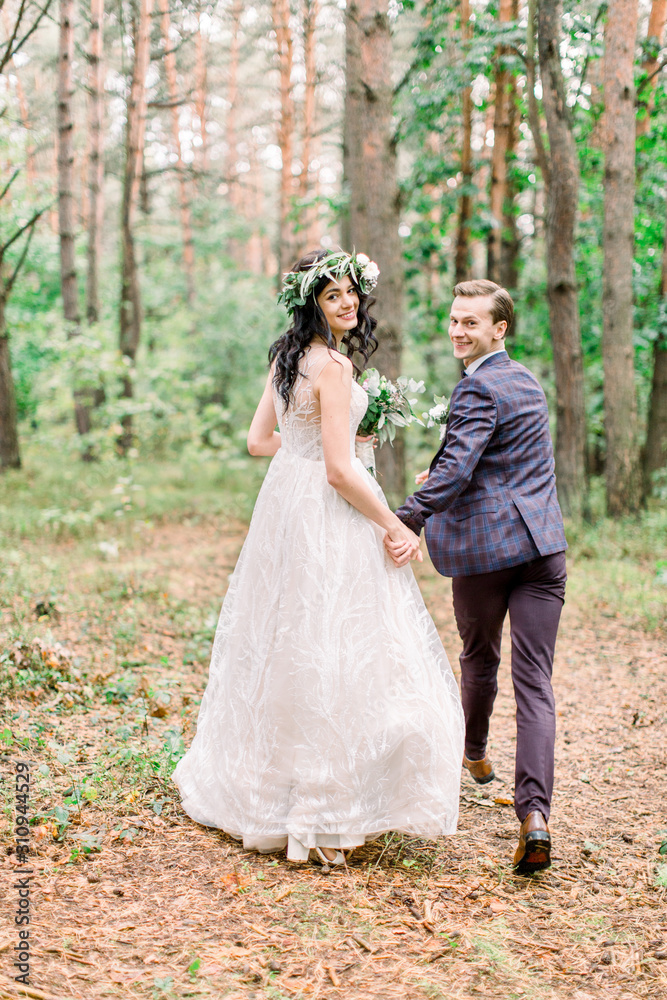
column 331, row 714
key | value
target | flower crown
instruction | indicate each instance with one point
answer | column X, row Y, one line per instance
column 298, row 285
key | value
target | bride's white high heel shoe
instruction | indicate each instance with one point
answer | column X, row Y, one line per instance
column 296, row 851
column 339, row 859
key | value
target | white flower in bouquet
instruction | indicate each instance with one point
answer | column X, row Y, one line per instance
column 388, row 404
column 438, row 415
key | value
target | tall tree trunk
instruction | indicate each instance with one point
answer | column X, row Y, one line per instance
column 352, row 123
column 654, row 37
column 531, row 97
column 620, row 402
column 655, row 450
column 130, row 304
column 561, row 211
column 10, row 456
column 510, row 243
column 183, row 197
column 310, row 10
column 9, row 442
column 462, row 253
column 281, row 15
column 374, row 195
column 68, row 280
column 235, row 197
column 95, row 161
column 68, row 276
column 201, row 92
column 505, row 99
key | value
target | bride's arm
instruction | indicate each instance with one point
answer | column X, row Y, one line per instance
column 263, row 439
column 334, row 390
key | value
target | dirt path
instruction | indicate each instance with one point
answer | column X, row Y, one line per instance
column 131, row 899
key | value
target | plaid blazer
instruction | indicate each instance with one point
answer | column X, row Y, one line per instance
column 490, row 499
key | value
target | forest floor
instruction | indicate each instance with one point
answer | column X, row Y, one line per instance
column 132, row 899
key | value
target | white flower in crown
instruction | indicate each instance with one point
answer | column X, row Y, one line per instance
column 370, row 274
column 298, row 285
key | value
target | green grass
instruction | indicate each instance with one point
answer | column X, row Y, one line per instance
column 56, row 496
column 621, row 565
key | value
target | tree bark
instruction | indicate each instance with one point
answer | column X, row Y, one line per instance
column 201, row 93
column 68, row 275
column 235, row 198
column 374, row 196
column 654, row 36
column 310, row 11
column 183, row 196
column 281, row 14
column 130, row 305
column 10, row 456
column 510, row 243
column 95, row 160
column 9, row 442
column 531, row 97
column 504, row 134
column 561, row 212
column 462, row 253
column 352, row 124
column 620, row 402
column 655, row 450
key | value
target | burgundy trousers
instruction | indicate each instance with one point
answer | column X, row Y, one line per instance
column 533, row 593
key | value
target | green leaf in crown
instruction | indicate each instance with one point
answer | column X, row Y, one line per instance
column 298, row 285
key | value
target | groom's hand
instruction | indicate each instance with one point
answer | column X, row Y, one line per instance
column 401, row 550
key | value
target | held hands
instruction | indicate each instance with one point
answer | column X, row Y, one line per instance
column 421, row 477
column 402, row 544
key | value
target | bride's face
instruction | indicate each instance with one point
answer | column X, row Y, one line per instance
column 339, row 301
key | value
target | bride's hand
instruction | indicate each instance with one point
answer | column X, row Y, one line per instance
column 421, row 477
column 402, row 544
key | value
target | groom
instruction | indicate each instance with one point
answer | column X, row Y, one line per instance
column 493, row 524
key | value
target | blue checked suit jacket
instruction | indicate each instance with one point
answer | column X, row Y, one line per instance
column 490, row 499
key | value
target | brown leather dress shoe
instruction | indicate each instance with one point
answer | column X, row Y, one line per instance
column 481, row 770
column 534, row 850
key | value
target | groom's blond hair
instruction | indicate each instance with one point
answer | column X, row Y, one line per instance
column 502, row 306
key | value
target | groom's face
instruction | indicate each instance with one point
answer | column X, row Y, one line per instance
column 472, row 330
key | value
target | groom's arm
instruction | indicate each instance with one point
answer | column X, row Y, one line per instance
column 472, row 420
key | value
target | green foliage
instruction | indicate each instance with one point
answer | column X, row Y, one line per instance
column 388, row 404
column 430, row 106
column 200, row 369
column 660, row 880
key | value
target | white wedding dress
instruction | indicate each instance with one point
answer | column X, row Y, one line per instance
column 331, row 713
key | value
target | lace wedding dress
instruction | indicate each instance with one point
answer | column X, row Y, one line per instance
column 331, row 713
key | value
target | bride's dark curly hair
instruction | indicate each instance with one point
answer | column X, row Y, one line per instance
column 309, row 322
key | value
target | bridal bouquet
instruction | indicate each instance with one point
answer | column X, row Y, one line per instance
column 388, row 408
column 438, row 414
column 388, row 404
